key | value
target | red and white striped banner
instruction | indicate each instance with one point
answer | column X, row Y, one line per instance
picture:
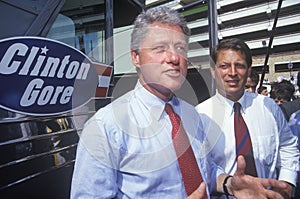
column 104, row 75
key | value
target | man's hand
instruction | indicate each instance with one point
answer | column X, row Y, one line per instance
column 287, row 192
column 200, row 193
column 246, row 186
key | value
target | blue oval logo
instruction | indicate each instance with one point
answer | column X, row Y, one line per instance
column 40, row 76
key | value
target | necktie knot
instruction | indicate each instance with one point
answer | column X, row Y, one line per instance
column 236, row 107
column 175, row 119
column 169, row 109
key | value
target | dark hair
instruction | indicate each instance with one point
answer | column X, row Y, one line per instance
column 283, row 90
column 298, row 80
column 233, row 44
column 260, row 89
column 163, row 15
column 283, row 94
column 274, row 87
column 254, row 76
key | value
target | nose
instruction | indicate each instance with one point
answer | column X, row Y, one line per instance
column 173, row 56
column 232, row 70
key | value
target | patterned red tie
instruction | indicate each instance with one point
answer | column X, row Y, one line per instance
column 188, row 166
column 243, row 140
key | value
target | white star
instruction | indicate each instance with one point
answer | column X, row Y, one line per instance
column 44, row 50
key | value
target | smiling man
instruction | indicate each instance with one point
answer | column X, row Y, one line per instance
column 126, row 149
column 148, row 143
column 239, row 122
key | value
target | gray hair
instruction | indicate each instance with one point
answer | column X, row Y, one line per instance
column 163, row 15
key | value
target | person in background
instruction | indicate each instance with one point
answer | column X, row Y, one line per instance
column 286, row 92
column 252, row 82
column 290, row 107
column 263, row 90
column 274, row 86
column 271, row 148
column 287, row 84
column 282, row 95
column 132, row 148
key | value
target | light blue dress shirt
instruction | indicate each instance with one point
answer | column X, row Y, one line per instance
column 126, row 150
column 274, row 145
column 294, row 123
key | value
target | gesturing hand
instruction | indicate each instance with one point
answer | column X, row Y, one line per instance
column 246, row 186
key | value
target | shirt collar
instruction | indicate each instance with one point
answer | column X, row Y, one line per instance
column 151, row 102
column 242, row 101
column 174, row 102
column 228, row 104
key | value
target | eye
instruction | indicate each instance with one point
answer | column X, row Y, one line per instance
column 160, row 48
column 241, row 66
column 223, row 65
column 181, row 49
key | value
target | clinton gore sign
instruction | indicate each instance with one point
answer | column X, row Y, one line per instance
column 40, row 76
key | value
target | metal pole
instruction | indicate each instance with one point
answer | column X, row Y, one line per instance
column 270, row 44
column 213, row 31
column 109, row 41
column 109, row 26
column 213, row 25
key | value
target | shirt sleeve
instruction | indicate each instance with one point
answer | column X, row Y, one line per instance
column 212, row 170
column 294, row 124
column 95, row 171
column 288, row 160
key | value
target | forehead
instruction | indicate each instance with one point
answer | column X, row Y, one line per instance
column 160, row 31
column 231, row 54
column 249, row 81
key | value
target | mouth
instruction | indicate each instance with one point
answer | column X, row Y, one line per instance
column 173, row 72
column 232, row 82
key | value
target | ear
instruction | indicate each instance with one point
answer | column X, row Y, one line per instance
column 213, row 72
column 249, row 71
column 135, row 57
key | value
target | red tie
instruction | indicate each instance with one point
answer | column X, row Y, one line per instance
column 188, row 166
column 243, row 140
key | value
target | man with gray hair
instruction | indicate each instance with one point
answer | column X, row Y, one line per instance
column 148, row 143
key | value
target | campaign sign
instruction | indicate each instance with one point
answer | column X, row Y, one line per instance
column 39, row 76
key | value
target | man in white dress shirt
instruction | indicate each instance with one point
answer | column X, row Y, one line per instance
column 274, row 146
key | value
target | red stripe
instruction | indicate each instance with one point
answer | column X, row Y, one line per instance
column 240, row 128
column 246, row 148
column 103, row 70
column 101, row 92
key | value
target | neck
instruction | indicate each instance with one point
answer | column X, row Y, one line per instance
column 159, row 91
column 233, row 97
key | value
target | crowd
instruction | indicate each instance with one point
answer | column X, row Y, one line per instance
column 149, row 143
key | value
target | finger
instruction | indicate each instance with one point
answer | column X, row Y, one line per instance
column 273, row 183
column 200, row 193
column 273, row 194
column 241, row 165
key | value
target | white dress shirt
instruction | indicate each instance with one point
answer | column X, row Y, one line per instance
column 126, row 150
column 274, row 145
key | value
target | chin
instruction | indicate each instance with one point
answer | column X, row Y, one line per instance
column 175, row 88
